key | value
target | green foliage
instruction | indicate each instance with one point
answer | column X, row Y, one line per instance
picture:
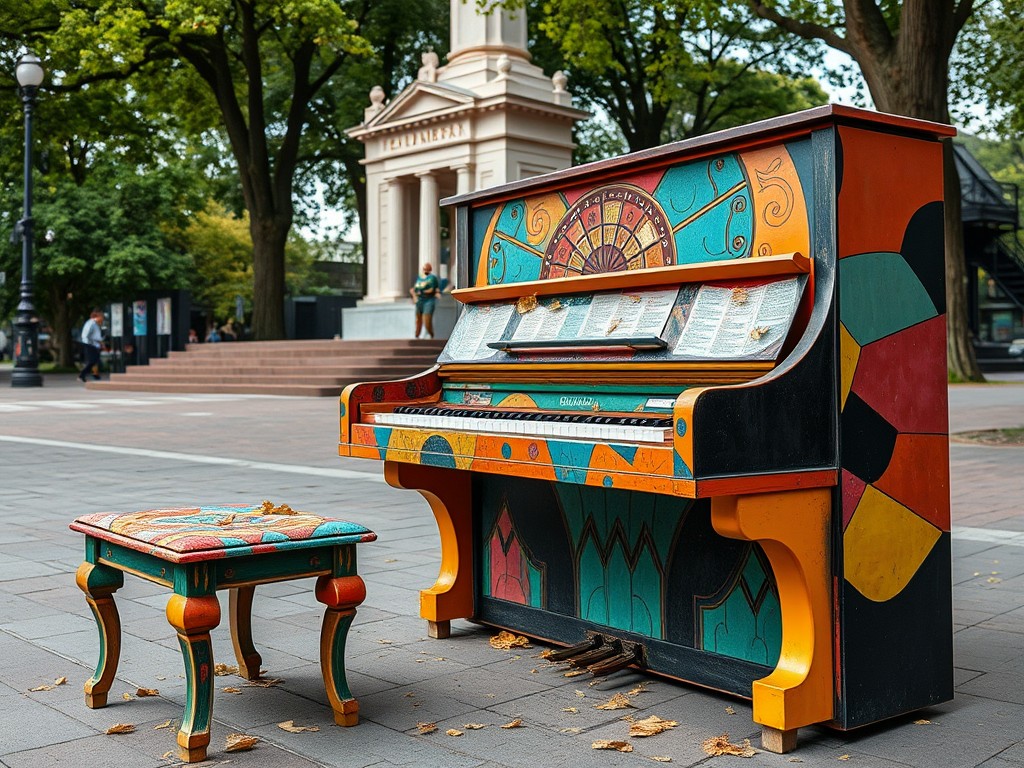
column 992, row 62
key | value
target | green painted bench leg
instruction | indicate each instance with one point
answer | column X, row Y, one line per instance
column 240, row 610
column 341, row 595
column 99, row 582
column 193, row 618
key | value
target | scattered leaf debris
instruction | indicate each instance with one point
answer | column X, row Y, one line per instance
column 453, row 732
column 794, row 760
column 144, row 692
column 574, row 673
column 239, row 742
column 391, row 560
column 291, row 727
column 161, row 677
column 474, row 726
column 619, row 746
column 570, row 730
column 127, row 697
column 385, row 642
column 231, row 689
column 650, row 726
column 555, row 305
column 410, row 694
column 922, row 722
column 220, row 670
column 661, row 758
column 720, row 745
column 612, row 326
column 165, row 724
column 526, row 304
column 545, row 653
column 843, row 757
column 517, row 723
column 580, row 694
column 426, row 727
column 758, row 332
column 730, row 711
column 168, row 755
column 60, row 681
column 642, row 688
column 618, row 701
column 740, row 295
column 573, row 710
column 504, row 641
column 265, row 682
column 120, row 728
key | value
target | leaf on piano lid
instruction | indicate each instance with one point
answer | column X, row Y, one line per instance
column 740, row 295
column 526, row 304
column 595, row 407
column 612, row 326
column 635, row 297
column 504, row 641
column 758, row 332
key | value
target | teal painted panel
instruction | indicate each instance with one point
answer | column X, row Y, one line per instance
column 481, row 219
column 747, row 624
column 708, row 204
column 509, row 257
column 867, row 276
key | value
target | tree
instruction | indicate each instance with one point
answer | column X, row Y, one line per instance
column 258, row 64
column 903, row 50
column 671, row 69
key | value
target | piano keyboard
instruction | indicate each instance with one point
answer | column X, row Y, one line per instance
column 579, row 426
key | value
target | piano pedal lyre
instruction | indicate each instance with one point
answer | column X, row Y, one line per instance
column 601, row 654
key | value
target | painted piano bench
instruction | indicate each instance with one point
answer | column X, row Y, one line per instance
column 195, row 551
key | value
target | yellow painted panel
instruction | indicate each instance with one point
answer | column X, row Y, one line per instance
column 849, row 354
column 884, row 545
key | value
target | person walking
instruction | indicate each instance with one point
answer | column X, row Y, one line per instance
column 92, row 340
column 424, row 292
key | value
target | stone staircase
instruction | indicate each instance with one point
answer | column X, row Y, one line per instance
column 302, row 368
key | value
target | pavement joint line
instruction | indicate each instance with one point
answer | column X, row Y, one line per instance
column 994, row 535
column 294, row 469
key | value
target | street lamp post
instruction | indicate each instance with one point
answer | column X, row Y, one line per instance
column 26, row 325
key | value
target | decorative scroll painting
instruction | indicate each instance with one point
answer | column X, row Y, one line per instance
column 732, row 206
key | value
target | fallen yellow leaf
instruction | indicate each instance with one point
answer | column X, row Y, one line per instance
column 575, row 673
column 642, row 688
column 650, row 726
column 843, row 757
column 720, row 745
column 60, row 681
column 120, row 728
column 474, row 726
column 127, row 697
column 730, row 711
column 143, row 692
column 922, row 722
column 239, row 742
column 570, row 709
column 38, row 688
column 169, row 755
column 224, row 669
column 580, row 694
column 231, row 689
column 291, row 727
column 165, row 724
column 620, row 746
column 453, row 732
column 426, row 727
column 618, row 701
column 517, row 723
column 661, row 758
column 503, row 641
column 264, row 682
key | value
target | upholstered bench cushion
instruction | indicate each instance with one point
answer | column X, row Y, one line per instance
column 189, row 534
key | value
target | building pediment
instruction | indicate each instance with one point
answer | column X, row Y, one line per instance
column 420, row 101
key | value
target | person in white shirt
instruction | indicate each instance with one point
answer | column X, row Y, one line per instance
column 92, row 339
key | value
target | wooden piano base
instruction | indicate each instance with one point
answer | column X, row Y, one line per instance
column 779, row 742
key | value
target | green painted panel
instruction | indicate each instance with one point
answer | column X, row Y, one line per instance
column 866, row 277
column 747, row 624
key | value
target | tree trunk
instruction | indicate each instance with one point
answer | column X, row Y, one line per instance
column 960, row 358
column 268, row 269
column 60, row 325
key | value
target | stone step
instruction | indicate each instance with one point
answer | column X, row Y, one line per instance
column 296, row 368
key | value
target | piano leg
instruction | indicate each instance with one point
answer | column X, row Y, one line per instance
column 792, row 527
column 449, row 493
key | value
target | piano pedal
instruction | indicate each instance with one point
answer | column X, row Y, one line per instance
column 632, row 653
column 589, row 644
column 610, row 647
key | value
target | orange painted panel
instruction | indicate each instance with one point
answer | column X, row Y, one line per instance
column 894, row 177
column 918, row 477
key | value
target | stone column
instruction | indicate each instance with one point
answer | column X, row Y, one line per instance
column 397, row 255
column 430, row 225
column 464, row 176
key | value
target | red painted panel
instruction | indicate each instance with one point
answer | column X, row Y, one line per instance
column 903, row 377
column 918, row 477
column 853, row 489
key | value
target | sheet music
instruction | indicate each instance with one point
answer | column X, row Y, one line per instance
column 482, row 323
column 541, row 323
column 642, row 313
column 743, row 321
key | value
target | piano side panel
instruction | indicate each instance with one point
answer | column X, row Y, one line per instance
column 422, row 387
column 784, row 421
column 556, row 560
column 894, row 582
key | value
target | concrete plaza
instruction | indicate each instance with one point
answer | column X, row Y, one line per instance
column 65, row 451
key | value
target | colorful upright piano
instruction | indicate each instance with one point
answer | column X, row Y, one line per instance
column 694, row 412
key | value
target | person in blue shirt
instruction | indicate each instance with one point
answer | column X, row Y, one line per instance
column 92, row 340
column 424, row 292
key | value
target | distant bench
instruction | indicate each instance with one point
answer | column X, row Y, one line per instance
column 197, row 550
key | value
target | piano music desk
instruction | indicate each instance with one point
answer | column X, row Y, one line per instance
column 196, row 551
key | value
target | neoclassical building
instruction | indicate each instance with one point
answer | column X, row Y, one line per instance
column 488, row 116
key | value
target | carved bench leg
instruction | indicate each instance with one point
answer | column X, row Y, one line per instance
column 99, row 582
column 193, row 618
column 792, row 528
column 449, row 494
column 341, row 595
column 240, row 610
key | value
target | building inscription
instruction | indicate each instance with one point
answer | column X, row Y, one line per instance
column 420, row 137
